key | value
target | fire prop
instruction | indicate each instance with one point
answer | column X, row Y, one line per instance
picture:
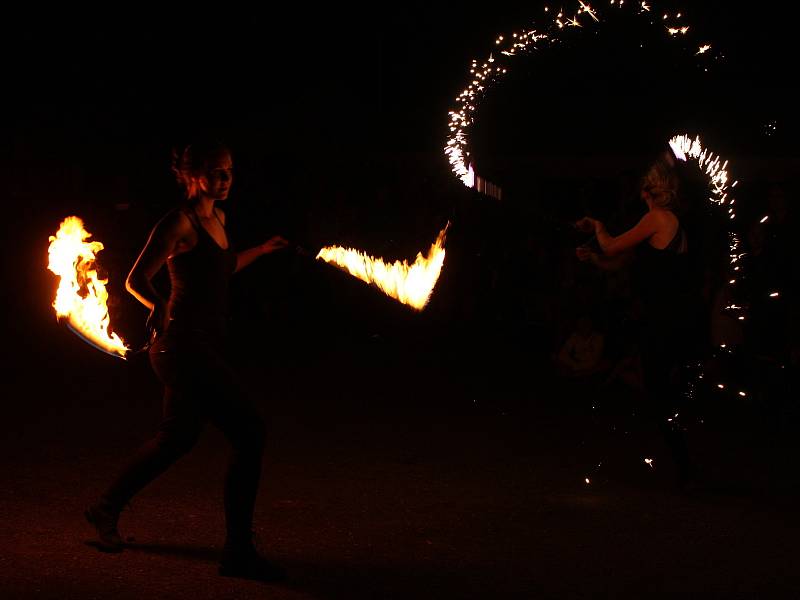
column 410, row 284
column 684, row 149
column 82, row 296
column 482, row 77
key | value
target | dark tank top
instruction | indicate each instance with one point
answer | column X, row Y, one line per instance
column 662, row 280
column 200, row 297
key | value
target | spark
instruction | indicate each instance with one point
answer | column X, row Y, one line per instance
column 677, row 30
column 508, row 46
column 704, row 49
column 588, row 9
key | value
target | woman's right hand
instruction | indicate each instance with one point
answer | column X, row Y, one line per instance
column 274, row 243
column 157, row 321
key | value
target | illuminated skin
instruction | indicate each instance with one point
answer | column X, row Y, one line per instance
column 657, row 228
column 174, row 234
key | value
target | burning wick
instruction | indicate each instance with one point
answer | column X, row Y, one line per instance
column 82, row 296
column 649, row 462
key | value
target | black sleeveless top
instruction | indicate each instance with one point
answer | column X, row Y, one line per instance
column 200, row 298
column 662, row 279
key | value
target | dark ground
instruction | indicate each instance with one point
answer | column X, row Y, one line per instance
column 392, row 473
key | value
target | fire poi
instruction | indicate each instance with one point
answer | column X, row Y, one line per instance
column 555, row 24
column 411, row 284
column 82, row 298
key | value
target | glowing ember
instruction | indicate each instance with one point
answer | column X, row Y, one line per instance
column 649, row 462
column 410, row 284
column 82, row 296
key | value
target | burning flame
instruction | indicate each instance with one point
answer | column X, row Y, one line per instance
column 410, row 284
column 82, row 296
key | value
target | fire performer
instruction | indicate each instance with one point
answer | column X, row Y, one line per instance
column 190, row 358
column 658, row 247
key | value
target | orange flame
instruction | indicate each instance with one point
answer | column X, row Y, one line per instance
column 82, row 296
column 410, row 284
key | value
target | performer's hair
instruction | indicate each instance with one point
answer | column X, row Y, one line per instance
column 189, row 162
column 661, row 182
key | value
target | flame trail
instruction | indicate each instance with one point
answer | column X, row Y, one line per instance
column 82, row 296
column 410, row 284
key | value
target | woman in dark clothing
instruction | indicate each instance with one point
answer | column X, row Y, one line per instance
column 661, row 271
column 190, row 358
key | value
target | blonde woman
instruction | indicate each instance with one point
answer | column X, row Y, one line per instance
column 658, row 250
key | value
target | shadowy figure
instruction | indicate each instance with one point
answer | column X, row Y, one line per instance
column 189, row 356
column 657, row 248
column 581, row 355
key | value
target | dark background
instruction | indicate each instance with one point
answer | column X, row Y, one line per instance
column 337, row 119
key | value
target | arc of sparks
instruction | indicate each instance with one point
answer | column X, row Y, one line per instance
column 411, row 284
column 482, row 79
column 82, row 298
column 685, row 148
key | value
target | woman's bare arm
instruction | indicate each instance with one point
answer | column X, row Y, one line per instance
column 245, row 257
column 163, row 242
column 642, row 231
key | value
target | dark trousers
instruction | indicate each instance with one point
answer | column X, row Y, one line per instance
column 664, row 351
column 200, row 387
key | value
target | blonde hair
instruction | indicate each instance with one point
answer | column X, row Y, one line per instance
column 661, row 183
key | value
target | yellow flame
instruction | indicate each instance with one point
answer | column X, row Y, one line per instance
column 410, row 284
column 82, row 296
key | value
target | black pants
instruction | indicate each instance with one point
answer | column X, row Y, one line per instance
column 200, row 387
column 664, row 351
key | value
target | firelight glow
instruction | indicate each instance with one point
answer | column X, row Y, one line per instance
column 410, row 284
column 82, row 297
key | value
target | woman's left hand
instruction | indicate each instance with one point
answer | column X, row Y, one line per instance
column 273, row 244
column 584, row 253
column 587, row 225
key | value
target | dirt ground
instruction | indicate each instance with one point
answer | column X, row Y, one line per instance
column 387, row 484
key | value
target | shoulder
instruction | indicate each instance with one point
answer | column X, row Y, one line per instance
column 175, row 223
column 662, row 216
